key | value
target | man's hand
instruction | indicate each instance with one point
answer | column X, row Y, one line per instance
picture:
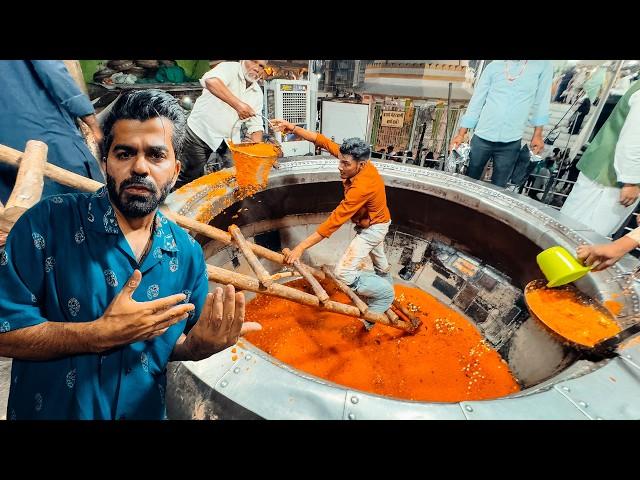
column 457, row 140
column 293, row 255
column 361, row 218
column 244, row 111
column 364, row 222
column 537, row 143
column 282, row 126
column 603, row 256
column 127, row 321
column 92, row 123
column 629, row 194
column 220, row 324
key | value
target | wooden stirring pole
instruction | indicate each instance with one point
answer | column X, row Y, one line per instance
column 320, row 292
column 415, row 321
column 254, row 263
column 355, row 299
column 244, row 282
column 28, row 187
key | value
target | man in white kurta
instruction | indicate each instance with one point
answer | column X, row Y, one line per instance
column 230, row 93
column 605, row 195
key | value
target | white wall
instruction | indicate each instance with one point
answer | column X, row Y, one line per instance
column 342, row 120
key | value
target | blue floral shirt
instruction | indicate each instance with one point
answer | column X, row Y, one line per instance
column 65, row 261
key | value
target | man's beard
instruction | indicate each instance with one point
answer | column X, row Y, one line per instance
column 136, row 206
column 249, row 75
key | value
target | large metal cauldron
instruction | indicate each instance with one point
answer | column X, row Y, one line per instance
column 435, row 216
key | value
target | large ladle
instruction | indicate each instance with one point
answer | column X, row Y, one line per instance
column 604, row 348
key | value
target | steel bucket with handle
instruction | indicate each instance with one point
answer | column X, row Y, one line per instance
column 253, row 161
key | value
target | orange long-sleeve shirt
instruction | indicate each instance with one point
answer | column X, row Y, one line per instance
column 364, row 195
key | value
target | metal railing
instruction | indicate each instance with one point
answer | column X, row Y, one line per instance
column 554, row 190
column 428, row 126
column 421, row 161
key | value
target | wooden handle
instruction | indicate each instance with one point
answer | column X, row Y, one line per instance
column 320, row 292
column 393, row 318
column 415, row 321
column 75, row 70
column 279, row 275
column 244, row 282
column 12, row 157
column 28, row 187
column 355, row 299
column 225, row 238
column 254, row 263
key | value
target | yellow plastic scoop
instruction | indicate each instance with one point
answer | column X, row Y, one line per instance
column 560, row 267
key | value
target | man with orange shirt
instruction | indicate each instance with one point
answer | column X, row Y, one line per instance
column 365, row 203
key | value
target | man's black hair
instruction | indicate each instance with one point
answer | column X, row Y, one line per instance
column 144, row 105
column 357, row 148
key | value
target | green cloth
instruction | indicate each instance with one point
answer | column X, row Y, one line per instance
column 593, row 85
column 173, row 74
column 597, row 161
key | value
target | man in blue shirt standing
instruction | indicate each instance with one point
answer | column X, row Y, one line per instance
column 508, row 93
column 40, row 101
column 99, row 291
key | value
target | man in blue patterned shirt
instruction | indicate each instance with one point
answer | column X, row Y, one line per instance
column 99, row 291
column 508, row 94
column 40, row 101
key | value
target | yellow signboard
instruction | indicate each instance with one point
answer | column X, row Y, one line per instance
column 392, row 119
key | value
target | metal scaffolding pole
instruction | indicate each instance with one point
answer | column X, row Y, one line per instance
column 603, row 98
column 546, row 197
column 446, row 125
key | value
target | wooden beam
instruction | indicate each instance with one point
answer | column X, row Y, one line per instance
column 280, row 275
column 75, row 70
column 355, row 299
column 224, row 237
column 263, row 276
column 245, row 282
column 393, row 318
column 415, row 321
column 320, row 292
column 27, row 190
column 11, row 156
